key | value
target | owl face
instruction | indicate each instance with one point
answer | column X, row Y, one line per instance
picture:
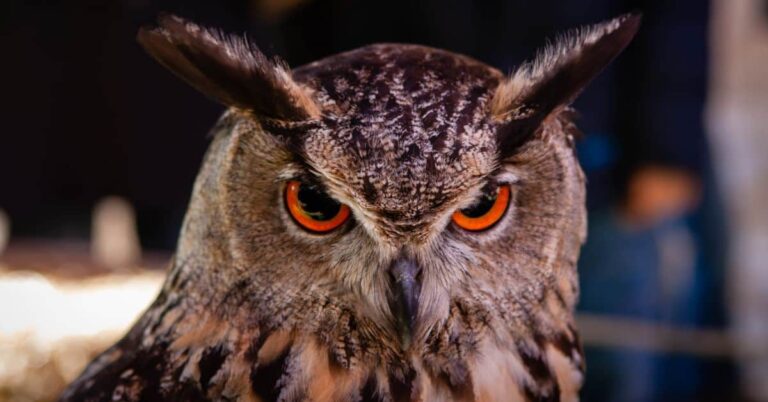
column 403, row 211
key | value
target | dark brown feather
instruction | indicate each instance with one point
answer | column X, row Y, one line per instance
column 228, row 68
column 564, row 80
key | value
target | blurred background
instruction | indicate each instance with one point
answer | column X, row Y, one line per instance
column 99, row 147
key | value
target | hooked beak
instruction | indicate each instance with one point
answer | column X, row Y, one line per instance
column 405, row 283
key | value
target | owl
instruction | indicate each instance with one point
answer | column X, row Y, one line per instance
column 393, row 223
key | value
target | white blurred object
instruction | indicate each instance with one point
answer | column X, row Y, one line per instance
column 50, row 329
column 738, row 126
column 5, row 230
column 114, row 239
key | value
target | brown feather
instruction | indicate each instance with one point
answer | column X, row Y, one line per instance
column 556, row 77
column 230, row 69
column 257, row 309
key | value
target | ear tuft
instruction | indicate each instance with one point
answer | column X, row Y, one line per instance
column 557, row 76
column 228, row 68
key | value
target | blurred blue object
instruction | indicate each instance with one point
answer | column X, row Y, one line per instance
column 597, row 151
column 618, row 277
column 660, row 274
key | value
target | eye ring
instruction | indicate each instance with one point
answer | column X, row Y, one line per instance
column 326, row 215
column 485, row 214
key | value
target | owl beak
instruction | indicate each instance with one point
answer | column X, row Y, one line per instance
column 405, row 276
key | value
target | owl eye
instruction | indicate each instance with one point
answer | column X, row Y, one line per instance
column 484, row 213
column 312, row 209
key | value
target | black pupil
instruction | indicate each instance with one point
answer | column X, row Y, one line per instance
column 483, row 205
column 316, row 204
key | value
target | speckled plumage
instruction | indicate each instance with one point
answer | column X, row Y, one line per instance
column 256, row 309
column 407, row 122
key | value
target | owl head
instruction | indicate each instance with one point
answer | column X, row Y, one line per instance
column 406, row 216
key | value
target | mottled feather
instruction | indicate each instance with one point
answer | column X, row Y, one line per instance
column 255, row 308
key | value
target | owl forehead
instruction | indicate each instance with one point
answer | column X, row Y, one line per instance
column 407, row 127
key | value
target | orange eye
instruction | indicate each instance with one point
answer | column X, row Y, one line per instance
column 486, row 212
column 312, row 209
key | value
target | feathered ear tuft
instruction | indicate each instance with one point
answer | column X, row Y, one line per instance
column 556, row 77
column 228, row 68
